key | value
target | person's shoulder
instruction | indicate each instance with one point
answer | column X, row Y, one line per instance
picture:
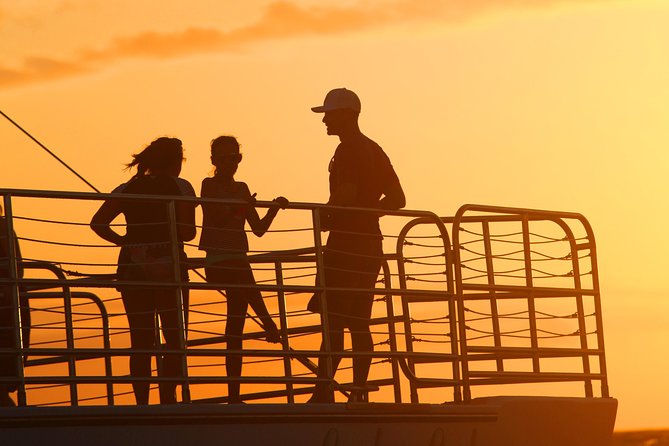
column 185, row 187
column 207, row 183
column 371, row 144
column 153, row 185
column 133, row 186
column 376, row 149
column 360, row 145
column 167, row 185
column 243, row 189
column 207, row 189
column 120, row 188
column 167, row 181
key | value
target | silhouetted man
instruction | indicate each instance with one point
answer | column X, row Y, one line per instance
column 361, row 176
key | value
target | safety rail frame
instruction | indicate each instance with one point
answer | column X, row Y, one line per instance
column 454, row 293
column 529, row 292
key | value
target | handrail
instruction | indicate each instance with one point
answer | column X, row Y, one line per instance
column 423, row 285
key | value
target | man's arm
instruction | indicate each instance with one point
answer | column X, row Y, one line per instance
column 393, row 198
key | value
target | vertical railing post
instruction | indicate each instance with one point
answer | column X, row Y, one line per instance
column 461, row 307
column 490, row 271
column 599, row 325
column 574, row 249
column 176, row 264
column 452, row 311
column 16, row 301
column 392, row 335
column 320, row 282
column 406, row 316
column 69, row 340
column 283, row 321
column 106, row 345
column 529, row 283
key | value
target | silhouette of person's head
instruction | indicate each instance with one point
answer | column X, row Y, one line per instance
column 341, row 109
column 225, row 155
column 162, row 156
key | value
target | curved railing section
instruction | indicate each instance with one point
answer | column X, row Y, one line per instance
column 529, row 308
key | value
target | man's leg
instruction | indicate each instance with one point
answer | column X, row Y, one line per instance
column 323, row 393
column 367, row 265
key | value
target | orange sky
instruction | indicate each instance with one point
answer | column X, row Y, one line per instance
column 532, row 103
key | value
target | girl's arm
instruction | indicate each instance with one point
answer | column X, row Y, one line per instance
column 260, row 226
column 101, row 222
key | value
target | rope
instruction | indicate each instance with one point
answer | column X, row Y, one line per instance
column 421, row 245
column 74, row 245
column 49, row 151
column 515, row 314
column 520, row 242
column 59, row 222
column 443, row 254
column 58, row 263
column 533, row 234
column 434, row 320
column 514, row 333
column 507, row 256
column 510, row 271
column 409, row 260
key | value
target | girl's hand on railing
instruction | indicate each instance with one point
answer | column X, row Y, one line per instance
column 282, row 202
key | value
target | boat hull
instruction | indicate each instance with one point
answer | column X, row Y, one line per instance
column 499, row 421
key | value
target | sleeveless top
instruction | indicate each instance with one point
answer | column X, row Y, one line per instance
column 148, row 227
column 223, row 224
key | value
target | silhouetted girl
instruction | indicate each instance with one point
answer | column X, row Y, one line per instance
column 146, row 255
column 225, row 242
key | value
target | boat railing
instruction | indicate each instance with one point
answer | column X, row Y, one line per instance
column 433, row 341
column 529, row 306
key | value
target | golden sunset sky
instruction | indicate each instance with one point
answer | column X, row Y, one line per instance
column 548, row 104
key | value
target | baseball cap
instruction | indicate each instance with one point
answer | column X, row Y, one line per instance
column 339, row 99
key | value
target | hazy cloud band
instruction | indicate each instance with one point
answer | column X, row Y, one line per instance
column 280, row 20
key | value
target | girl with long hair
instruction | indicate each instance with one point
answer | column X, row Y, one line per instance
column 146, row 255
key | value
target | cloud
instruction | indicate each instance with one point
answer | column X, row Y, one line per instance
column 280, row 20
column 38, row 69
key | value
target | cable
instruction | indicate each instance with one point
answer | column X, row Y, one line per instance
column 49, row 152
